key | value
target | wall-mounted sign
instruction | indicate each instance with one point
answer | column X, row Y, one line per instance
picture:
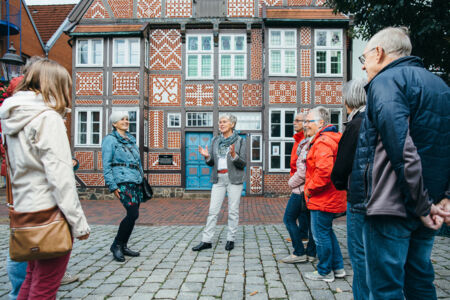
column 165, row 159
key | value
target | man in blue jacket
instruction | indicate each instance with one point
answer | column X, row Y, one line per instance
column 401, row 167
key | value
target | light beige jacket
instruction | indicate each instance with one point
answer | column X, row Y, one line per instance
column 40, row 159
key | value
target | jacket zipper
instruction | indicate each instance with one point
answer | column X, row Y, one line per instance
column 366, row 182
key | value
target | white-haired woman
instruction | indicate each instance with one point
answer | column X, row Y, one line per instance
column 122, row 169
column 227, row 156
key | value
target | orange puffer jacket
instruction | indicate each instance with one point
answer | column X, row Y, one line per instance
column 323, row 195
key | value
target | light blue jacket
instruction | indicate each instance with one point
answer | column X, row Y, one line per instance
column 118, row 150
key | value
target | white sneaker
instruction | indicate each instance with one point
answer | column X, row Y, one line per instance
column 316, row 276
column 292, row 259
column 340, row 273
column 67, row 278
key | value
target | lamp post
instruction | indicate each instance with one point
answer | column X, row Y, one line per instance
column 11, row 64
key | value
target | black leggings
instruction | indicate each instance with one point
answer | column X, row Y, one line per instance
column 127, row 224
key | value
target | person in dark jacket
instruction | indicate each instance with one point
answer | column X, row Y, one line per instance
column 401, row 167
column 355, row 102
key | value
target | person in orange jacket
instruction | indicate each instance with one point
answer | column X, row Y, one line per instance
column 322, row 198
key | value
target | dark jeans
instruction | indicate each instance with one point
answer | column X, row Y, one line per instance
column 328, row 250
column 355, row 222
column 398, row 260
column 296, row 209
column 127, row 224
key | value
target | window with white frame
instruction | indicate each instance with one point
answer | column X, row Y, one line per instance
column 126, row 52
column 173, row 120
column 281, row 139
column 232, row 56
column 199, row 119
column 147, row 54
column 328, row 46
column 247, row 120
column 88, row 126
column 282, row 52
column 133, row 119
column 199, row 56
column 256, row 147
column 336, row 118
column 89, row 52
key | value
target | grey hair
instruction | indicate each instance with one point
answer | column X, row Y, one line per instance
column 354, row 94
column 232, row 118
column 117, row 116
column 393, row 40
column 321, row 113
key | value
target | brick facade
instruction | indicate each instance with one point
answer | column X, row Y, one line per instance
column 178, row 8
column 165, row 90
column 228, row 94
column 282, row 92
column 241, row 8
column 256, row 55
column 276, row 184
column 89, row 83
column 164, row 179
column 165, row 49
column 199, row 95
column 97, row 10
column 125, row 83
column 328, row 92
column 148, row 8
column 121, row 8
column 252, row 95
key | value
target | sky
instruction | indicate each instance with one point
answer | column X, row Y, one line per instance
column 47, row 2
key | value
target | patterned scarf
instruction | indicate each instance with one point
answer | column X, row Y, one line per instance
column 225, row 143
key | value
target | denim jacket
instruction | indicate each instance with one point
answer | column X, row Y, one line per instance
column 118, row 150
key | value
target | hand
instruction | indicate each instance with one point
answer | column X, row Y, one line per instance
column 203, row 151
column 436, row 217
column 117, row 193
column 74, row 162
column 83, row 237
column 232, row 151
column 445, row 206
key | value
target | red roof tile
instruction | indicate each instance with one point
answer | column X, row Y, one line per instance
column 48, row 18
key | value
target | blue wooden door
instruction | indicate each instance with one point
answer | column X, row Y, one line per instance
column 197, row 171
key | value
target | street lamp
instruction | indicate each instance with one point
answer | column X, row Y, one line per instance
column 11, row 64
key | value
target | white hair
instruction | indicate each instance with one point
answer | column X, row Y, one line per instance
column 117, row 116
column 393, row 40
column 321, row 113
column 354, row 94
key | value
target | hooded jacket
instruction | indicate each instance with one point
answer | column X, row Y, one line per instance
column 298, row 137
column 40, row 159
column 319, row 164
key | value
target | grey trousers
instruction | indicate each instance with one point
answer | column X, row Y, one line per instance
column 217, row 196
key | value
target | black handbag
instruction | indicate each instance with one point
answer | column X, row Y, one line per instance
column 147, row 191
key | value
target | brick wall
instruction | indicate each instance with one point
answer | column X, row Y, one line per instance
column 276, row 184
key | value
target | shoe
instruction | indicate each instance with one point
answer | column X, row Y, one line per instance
column 128, row 252
column 311, row 258
column 316, row 276
column 116, row 250
column 67, row 278
column 292, row 259
column 202, row 246
column 229, row 246
column 305, row 241
column 340, row 273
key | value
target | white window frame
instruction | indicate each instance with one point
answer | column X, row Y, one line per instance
column 339, row 111
column 91, row 53
column 328, row 49
column 147, row 53
column 89, row 110
column 243, row 116
column 233, row 53
column 128, row 109
column 282, row 48
column 169, row 124
column 260, row 147
column 281, row 139
column 199, row 54
column 209, row 113
column 127, row 62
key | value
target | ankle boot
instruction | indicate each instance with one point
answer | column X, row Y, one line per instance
column 129, row 252
column 116, row 250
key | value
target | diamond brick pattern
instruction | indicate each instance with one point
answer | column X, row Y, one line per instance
column 165, row 49
column 306, row 92
column 241, row 8
column 320, row 2
column 252, row 95
column 178, row 8
column 228, row 94
column 164, row 179
column 305, row 62
column 269, row 3
column 121, row 8
column 165, row 90
column 99, row 161
column 282, row 92
column 86, row 159
column 125, row 83
column 305, row 36
column 272, row 183
column 174, row 140
column 305, row 110
column 149, row 8
column 125, row 102
column 299, row 2
column 89, row 83
column 156, row 129
column 199, row 95
column 256, row 54
column 92, row 179
column 153, row 159
column 256, row 180
column 96, row 11
column 88, row 102
column 328, row 92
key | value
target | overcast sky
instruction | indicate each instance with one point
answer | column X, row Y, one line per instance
column 46, row 2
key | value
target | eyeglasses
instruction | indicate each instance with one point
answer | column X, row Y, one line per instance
column 362, row 58
column 309, row 121
column 298, row 120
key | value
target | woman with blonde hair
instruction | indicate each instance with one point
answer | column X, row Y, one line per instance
column 41, row 163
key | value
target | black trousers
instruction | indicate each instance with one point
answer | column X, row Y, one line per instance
column 127, row 224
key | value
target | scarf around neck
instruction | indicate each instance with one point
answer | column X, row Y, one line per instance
column 225, row 143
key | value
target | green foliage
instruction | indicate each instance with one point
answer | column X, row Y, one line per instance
column 427, row 20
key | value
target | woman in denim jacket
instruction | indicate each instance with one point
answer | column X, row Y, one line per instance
column 122, row 170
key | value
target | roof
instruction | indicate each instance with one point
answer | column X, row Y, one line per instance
column 304, row 14
column 48, row 18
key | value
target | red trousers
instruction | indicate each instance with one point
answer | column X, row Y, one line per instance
column 43, row 278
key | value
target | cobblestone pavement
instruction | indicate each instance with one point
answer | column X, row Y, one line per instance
column 168, row 269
